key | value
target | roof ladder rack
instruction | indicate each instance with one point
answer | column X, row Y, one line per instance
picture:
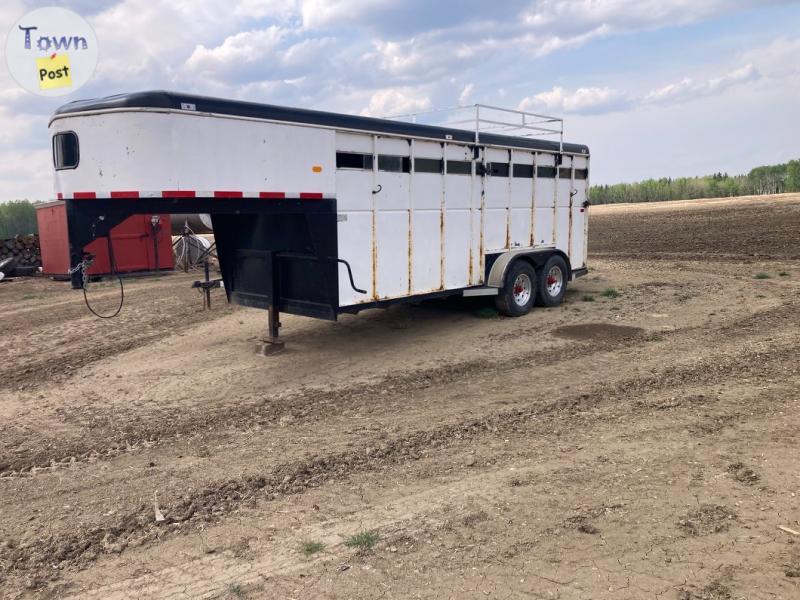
column 482, row 118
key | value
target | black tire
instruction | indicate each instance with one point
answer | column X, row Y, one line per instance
column 552, row 282
column 516, row 304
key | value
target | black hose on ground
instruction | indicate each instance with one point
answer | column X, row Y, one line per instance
column 113, row 264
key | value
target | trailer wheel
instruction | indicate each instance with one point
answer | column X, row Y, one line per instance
column 552, row 282
column 518, row 293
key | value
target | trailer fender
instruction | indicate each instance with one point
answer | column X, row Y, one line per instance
column 536, row 257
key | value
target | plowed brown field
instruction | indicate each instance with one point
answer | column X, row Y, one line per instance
column 641, row 441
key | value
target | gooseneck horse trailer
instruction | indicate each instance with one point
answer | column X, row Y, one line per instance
column 318, row 214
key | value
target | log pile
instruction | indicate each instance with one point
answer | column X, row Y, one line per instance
column 24, row 249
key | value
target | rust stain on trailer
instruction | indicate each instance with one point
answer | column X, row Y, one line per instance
column 443, row 247
column 374, row 257
column 508, row 228
column 481, row 249
column 572, row 189
column 410, row 253
column 470, row 269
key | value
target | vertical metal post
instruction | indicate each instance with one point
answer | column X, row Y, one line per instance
column 155, row 227
column 185, row 239
column 273, row 325
column 272, row 344
column 207, row 299
column 477, row 123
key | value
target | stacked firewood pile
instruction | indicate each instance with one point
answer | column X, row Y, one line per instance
column 24, row 250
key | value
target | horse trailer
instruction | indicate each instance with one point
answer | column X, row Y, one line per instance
column 318, row 214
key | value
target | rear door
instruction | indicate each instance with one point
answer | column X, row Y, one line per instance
column 578, row 231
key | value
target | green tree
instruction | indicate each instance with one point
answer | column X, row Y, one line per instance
column 17, row 217
column 793, row 176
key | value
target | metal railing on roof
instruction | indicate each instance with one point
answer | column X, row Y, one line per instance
column 482, row 118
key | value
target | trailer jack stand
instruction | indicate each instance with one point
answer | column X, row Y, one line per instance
column 272, row 344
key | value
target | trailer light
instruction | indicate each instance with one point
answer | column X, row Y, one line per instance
column 316, row 169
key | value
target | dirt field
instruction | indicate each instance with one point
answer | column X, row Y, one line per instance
column 640, row 441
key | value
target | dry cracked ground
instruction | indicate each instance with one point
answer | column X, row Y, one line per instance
column 641, row 441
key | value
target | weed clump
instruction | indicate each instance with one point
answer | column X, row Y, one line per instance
column 311, row 548
column 364, row 540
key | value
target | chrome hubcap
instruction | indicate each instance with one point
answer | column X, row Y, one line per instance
column 523, row 287
column 554, row 281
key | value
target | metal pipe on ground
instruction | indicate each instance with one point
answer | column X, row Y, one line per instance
column 197, row 223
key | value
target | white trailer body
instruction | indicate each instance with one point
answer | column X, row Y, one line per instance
column 418, row 210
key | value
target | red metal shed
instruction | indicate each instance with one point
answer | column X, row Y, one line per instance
column 132, row 240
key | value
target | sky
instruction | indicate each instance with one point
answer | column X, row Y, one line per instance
column 655, row 87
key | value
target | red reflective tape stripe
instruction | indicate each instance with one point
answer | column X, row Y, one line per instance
column 271, row 194
column 84, row 195
column 311, row 195
column 130, row 194
column 220, row 194
column 60, row 196
column 178, row 194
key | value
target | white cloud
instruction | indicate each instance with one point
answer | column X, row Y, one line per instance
column 397, row 58
column 241, row 49
column 322, row 13
column 779, row 59
column 259, row 9
column 542, row 45
column 688, row 89
column 601, row 100
column 396, row 101
column 627, row 15
column 143, row 41
column 586, row 100
column 466, row 94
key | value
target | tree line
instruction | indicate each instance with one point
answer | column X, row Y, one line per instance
column 773, row 179
column 17, row 217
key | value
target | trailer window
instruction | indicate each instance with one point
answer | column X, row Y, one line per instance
column 65, row 150
column 565, row 173
column 428, row 165
column 459, row 167
column 497, row 169
column 581, row 174
column 546, row 172
column 523, row 171
column 353, row 160
column 394, row 164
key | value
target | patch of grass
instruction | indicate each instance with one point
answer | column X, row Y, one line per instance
column 588, row 298
column 610, row 293
column 235, row 590
column 311, row 548
column 363, row 540
column 762, row 276
column 31, row 297
column 783, row 274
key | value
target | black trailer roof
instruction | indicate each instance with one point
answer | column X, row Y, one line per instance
column 239, row 108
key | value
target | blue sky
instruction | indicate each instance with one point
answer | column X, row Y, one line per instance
column 654, row 87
